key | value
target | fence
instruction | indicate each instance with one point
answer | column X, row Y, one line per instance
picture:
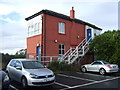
column 43, row 59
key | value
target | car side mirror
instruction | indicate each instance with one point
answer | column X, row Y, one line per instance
column 19, row 68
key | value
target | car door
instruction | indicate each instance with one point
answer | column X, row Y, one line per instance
column 18, row 71
column 11, row 69
column 94, row 66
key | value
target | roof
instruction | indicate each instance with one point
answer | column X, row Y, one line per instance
column 22, row 59
column 59, row 15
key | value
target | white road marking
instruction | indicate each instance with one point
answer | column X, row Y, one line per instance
column 63, row 85
column 95, row 82
column 13, row 87
column 75, row 77
column 94, row 75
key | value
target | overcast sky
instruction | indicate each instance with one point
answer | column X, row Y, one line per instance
column 13, row 27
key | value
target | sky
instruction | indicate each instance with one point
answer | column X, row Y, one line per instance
column 13, row 27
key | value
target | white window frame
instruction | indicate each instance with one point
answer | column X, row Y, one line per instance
column 61, row 49
column 35, row 29
column 61, row 27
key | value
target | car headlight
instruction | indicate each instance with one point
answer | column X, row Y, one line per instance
column 53, row 74
column 6, row 78
column 33, row 76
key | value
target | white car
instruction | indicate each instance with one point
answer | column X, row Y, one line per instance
column 100, row 66
column 30, row 73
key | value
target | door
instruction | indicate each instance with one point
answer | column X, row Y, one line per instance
column 38, row 50
column 95, row 66
column 89, row 34
column 18, row 72
column 38, row 53
column 11, row 69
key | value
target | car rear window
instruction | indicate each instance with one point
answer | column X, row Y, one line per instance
column 106, row 62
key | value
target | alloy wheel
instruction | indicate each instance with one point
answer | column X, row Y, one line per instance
column 24, row 82
column 84, row 69
column 102, row 71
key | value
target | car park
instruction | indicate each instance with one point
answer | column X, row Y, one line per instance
column 78, row 81
column 4, row 80
column 30, row 73
column 100, row 66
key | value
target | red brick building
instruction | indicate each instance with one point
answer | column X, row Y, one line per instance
column 53, row 34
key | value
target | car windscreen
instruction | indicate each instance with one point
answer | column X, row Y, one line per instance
column 32, row 65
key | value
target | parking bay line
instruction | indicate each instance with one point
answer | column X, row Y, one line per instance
column 93, row 74
column 13, row 87
column 95, row 82
column 63, row 85
column 75, row 77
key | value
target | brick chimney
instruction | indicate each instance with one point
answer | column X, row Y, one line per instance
column 72, row 13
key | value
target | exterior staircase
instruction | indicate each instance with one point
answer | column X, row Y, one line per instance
column 74, row 53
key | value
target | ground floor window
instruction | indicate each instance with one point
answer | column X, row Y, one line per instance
column 61, row 49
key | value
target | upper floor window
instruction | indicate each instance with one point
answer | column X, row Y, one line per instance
column 61, row 27
column 35, row 29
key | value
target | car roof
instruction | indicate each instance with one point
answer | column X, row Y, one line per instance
column 25, row 59
column 98, row 61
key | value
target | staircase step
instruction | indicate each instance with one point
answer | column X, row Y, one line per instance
column 78, row 52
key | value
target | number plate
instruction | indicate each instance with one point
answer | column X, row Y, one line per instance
column 46, row 79
column 114, row 67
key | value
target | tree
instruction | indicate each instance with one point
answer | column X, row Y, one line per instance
column 6, row 57
column 107, row 46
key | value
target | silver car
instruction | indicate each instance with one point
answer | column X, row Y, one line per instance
column 4, row 80
column 30, row 73
column 100, row 66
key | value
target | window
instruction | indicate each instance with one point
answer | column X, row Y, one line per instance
column 12, row 63
column 35, row 29
column 61, row 49
column 106, row 62
column 97, row 63
column 18, row 64
column 32, row 65
column 30, row 30
column 61, row 27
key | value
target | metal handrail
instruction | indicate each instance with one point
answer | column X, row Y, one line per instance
column 82, row 44
column 65, row 55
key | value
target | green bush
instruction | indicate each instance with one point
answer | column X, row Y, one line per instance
column 57, row 66
column 107, row 46
column 6, row 58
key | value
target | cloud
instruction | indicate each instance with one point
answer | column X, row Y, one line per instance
column 13, row 36
column 13, row 27
column 33, row 1
column 13, row 15
column 102, row 14
column 6, row 9
column 6, row 20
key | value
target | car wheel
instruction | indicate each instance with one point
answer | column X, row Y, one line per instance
column 84, row 69
column 24, row 82
column 102, row 71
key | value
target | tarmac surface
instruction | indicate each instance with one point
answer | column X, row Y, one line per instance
column 79, row 81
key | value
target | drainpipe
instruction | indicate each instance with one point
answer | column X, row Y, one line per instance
column 44, row 33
